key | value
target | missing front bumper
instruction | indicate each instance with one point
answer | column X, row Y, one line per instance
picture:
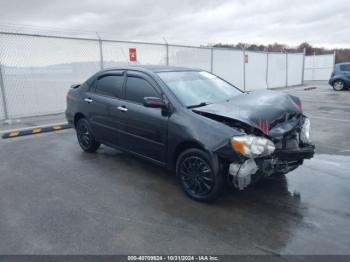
column 242, row 173
column 282, row 162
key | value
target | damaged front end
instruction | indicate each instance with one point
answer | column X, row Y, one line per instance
column 287, row 153
column 282, row 154
column 275, row 136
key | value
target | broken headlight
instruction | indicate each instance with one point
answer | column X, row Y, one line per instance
column 252, row 146
column 305, row 131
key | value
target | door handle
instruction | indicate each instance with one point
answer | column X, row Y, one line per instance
column 89, row 100
column 122, row 108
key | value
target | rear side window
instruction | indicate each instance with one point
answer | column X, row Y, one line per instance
column 137, row 89
column 110, row 85
column 345, row 68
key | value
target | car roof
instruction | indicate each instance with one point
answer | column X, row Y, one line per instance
column 151, row 68
column 344, row 63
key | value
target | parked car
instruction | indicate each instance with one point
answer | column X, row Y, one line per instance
column 193, row 122
column 340, row 78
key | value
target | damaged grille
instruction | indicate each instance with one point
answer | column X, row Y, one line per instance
column 289, row 141
column 286, row 118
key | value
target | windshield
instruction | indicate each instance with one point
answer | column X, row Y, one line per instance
column 198, row 88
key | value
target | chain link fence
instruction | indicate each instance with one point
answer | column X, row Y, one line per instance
column 37, row 70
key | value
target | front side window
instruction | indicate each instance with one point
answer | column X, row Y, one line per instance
column 195, row 88
column 110, row 85
column 137, row 89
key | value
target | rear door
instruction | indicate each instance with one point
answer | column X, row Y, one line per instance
column 104, row 102
column 143, row 130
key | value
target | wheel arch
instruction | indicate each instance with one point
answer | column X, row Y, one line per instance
column 339, row 78
column 77, row 117
column 185, row 145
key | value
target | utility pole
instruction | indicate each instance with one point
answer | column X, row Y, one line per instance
column 244, row 87
column 3, row 93
column 285, row 51
column 267, row 67
column 211, row 59
column 167, row 51
column 313, row 66
column 101, row 50
column 303, row 68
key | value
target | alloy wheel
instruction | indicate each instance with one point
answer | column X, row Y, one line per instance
column 84, row 135
column 196, row 176
column 338, row 85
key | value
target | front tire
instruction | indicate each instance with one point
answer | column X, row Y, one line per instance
column 338, row 85
column 86, row 139
column 199, row 175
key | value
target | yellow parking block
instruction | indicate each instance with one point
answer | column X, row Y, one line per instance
column 36, row 130
column 14, row 133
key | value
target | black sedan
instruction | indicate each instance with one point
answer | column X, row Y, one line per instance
column 193, row 122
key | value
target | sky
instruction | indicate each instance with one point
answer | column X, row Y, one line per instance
column 192, row 22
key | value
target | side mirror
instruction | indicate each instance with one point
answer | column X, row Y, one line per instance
column 154, row 102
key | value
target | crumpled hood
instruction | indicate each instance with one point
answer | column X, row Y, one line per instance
column 274, row 113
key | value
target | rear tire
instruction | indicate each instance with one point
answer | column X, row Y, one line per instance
column 338, row 85
column 199, row 175
column 85, row 137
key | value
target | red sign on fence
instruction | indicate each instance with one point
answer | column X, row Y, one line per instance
column 246, row 59
column 132, row 55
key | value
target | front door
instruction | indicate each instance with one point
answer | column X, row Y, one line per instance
column 143, row 130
